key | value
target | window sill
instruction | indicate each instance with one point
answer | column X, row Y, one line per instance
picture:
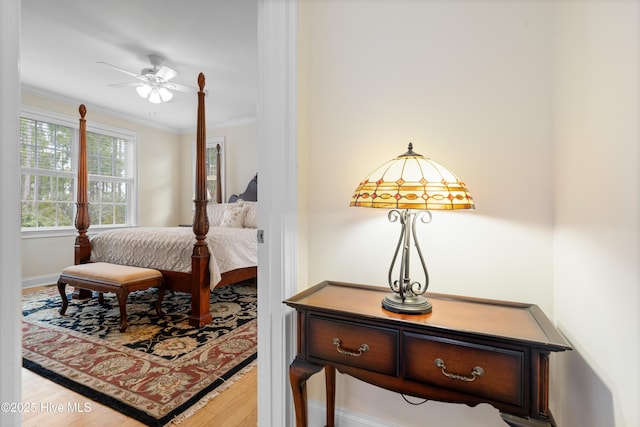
column 66, row 231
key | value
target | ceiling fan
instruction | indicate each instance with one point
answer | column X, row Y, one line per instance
column 154, row 84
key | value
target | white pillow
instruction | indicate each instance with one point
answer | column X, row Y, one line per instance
column 234, row 214
column 215, row 212
column 251, row 218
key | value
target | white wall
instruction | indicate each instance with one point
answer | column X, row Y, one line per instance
column 471, row 84
column 467, row 83
column 597, row 156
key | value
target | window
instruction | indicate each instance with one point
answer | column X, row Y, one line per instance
column 48, row 152
column 109, row 183
column 47, row 184
column 211, row 156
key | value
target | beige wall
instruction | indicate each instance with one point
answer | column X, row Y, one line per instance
column 597, row 235
column 165, row 180
column 158, row 188
column 471, row 84
column 241, row 162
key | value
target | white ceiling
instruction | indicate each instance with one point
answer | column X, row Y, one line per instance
column 62, row 40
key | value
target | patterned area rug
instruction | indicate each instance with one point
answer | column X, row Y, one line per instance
column 158, row 371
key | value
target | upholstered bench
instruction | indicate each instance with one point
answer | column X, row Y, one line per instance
column 105, row 277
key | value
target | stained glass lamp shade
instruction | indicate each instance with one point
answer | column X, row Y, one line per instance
column 410, row 186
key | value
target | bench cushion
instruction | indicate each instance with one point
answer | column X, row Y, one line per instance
column 115, row 274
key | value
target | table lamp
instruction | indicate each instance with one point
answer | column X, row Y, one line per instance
column 410, row 185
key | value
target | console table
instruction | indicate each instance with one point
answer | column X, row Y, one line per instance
column 468, row 350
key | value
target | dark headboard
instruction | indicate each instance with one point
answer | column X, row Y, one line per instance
column 250, row 194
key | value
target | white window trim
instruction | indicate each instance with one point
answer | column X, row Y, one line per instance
column 38, row 114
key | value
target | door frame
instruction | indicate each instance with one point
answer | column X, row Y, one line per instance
column 278, row 208
column 10, row 273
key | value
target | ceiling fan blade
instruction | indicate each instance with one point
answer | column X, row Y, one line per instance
column 165, row 73
column 120, row 69
column 182, row 88
column 132, row 84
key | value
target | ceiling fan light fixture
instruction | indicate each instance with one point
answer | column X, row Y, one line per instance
column 165, row 94
column 154, row 96
column 154, row 83
column 143, row 90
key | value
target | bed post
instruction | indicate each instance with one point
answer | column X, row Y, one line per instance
column 200, row 311
column 218, row 176
column 82, row 246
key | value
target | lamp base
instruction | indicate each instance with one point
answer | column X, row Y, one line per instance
column 416, row 304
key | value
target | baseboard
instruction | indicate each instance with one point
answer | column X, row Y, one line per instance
column 344, row 417
column 36, row 281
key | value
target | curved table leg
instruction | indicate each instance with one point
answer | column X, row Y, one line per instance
column 299, row 372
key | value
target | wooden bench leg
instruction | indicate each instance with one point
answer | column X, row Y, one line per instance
column 122, row 302
column 122, row 293
column 63, row 296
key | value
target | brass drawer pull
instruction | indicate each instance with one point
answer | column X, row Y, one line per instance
column 362, row 350
column 477, row 372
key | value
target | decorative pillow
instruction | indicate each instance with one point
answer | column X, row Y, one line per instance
column 234, row 215
column 251, row 218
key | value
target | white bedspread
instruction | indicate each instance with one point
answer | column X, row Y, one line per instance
column 170, row 248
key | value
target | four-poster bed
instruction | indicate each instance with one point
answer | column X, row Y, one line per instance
column 196, row 278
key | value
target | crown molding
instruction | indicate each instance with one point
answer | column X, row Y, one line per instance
column 52, row 96
column 73, row 102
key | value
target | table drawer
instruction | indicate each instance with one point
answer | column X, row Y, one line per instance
column 353, row 344
column 489, row 372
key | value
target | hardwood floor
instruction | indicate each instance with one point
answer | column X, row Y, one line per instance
column 236, row 406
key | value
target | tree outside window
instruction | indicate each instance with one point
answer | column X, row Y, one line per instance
column 49, row 173
column 214, row 148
